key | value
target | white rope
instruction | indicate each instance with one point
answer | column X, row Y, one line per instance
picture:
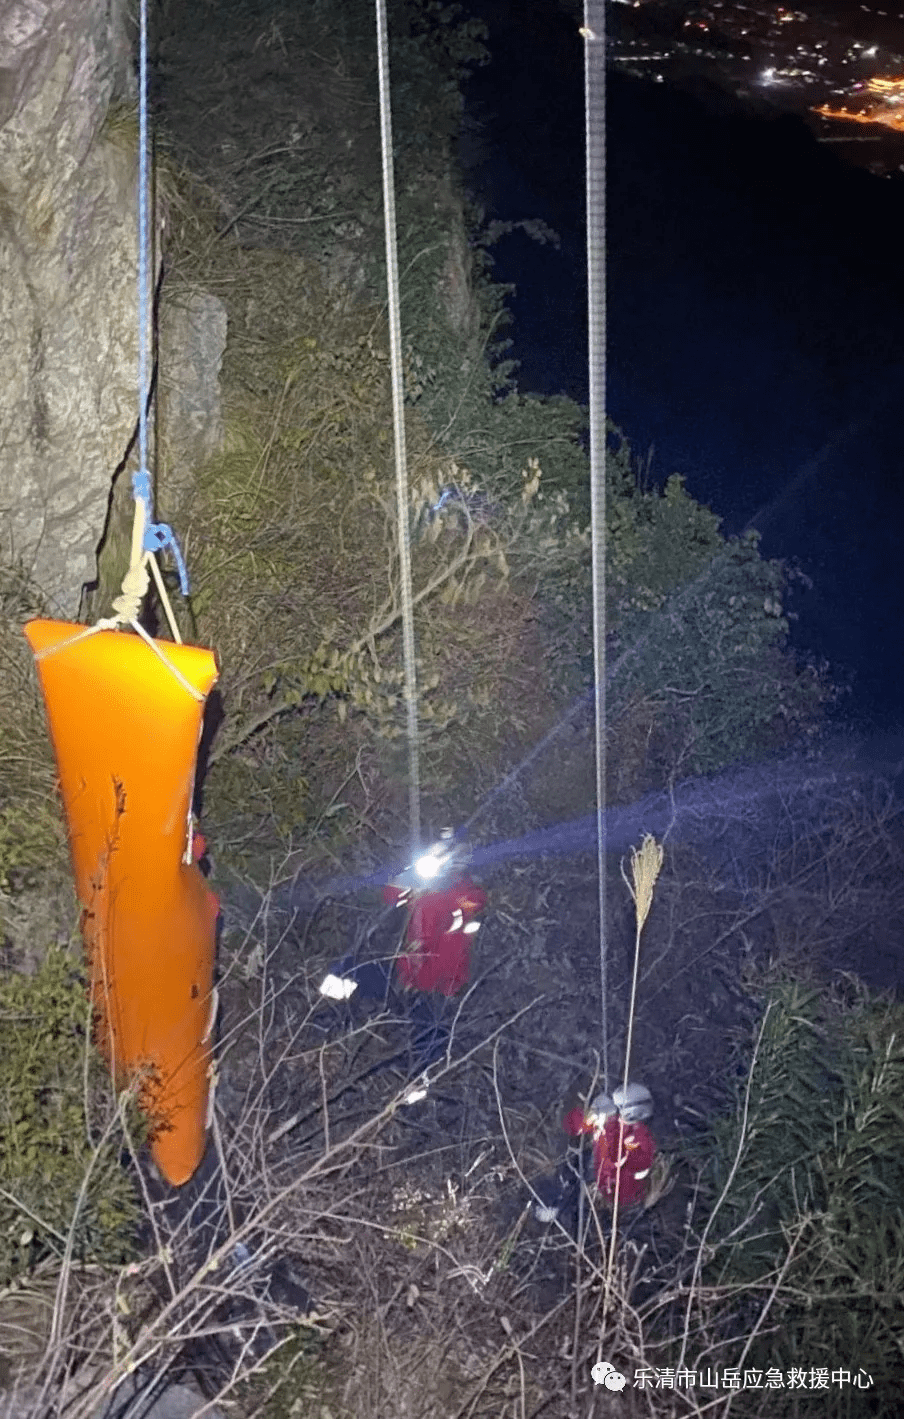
column 398, row 421
column 594, row 33
column 164, row 599
column 115, row 623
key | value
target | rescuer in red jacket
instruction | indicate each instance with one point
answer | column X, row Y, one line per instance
column 444, row 910
column 623, row 1146
column 433, row 965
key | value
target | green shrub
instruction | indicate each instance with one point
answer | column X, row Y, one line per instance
column 31, row 830
column 60, row 1138
column 807, row 1182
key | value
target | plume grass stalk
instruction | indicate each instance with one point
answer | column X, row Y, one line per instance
column 646, row 864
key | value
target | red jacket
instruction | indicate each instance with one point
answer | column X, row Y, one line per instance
column 634, row 1159
column 437, row 954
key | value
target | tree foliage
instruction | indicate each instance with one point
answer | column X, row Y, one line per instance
column 292, row 536
column 698, row 670
column 805, row 1180
column 293, row 542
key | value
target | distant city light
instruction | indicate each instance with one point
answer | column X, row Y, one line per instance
column 888, row 92
column 820, row 60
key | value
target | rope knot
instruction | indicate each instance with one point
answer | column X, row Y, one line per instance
column 134, row 586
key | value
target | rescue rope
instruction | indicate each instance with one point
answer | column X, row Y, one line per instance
column 147, row 537
column 594, row 34
column 398, row 423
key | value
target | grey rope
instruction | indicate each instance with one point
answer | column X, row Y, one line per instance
column 398, row 421
column 594, row 33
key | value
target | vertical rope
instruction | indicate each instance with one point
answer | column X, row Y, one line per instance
column 143, row 258
column 398, row 421
column 148, row 536
column 594, row 32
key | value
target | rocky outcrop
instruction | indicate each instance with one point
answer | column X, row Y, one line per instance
column 190, row 420
column 67, row 284
column 68, row 261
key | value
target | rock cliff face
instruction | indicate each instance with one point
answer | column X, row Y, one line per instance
column 68, row 262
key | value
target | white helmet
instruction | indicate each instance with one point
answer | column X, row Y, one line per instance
column 634, row 1102
column 601, row 1108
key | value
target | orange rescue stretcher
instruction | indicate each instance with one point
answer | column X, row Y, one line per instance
column 125, row 732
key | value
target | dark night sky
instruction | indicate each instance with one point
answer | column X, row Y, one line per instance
column 755, row 316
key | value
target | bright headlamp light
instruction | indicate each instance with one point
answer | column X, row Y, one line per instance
column 431, row 864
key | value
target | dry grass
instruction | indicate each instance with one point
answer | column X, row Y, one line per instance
column 434, row 1291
